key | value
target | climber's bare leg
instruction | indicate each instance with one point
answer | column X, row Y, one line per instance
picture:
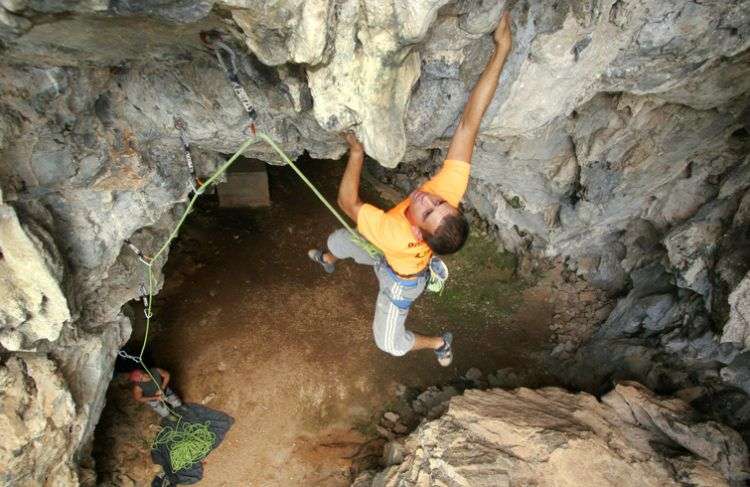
column 422, row 342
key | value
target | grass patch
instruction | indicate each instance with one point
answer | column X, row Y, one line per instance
column 483, row 285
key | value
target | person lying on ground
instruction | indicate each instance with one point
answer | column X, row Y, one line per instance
column 425, row 224
column 154, row 392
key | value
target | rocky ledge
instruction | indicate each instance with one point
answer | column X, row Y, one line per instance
column 551, row 437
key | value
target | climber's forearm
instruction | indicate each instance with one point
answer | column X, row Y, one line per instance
column 483, row 91
column 348, row 199
column 462, row 144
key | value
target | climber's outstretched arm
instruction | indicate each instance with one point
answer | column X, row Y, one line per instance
column 462, row 144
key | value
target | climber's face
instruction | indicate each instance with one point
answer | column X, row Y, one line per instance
column 136, row 376
column 426, row 211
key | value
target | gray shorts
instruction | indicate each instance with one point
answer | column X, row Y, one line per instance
column 394, row 298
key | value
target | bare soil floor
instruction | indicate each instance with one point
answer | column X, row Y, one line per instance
column 248, row 324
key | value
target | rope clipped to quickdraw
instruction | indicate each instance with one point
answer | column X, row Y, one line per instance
column 212, row 39
column 147, row 290
column 187, row 443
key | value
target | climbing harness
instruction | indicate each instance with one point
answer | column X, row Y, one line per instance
column 187, row 443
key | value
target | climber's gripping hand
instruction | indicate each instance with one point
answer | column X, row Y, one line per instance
column 503, row 37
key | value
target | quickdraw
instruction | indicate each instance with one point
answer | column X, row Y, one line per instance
column 181, row 127
column 212, row 39
column 144, row 300
column 126, row 355
column 141, row 256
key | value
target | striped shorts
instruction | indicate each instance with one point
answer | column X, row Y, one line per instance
column 394, row 297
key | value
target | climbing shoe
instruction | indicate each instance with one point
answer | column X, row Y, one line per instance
column 445, row 353
column 317, row 256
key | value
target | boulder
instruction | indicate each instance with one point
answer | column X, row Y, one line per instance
column 553, row 437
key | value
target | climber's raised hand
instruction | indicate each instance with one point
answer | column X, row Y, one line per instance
column 503, row 37
column 354, row 144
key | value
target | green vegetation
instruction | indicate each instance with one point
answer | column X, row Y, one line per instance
column 483, row 285
column 515, row 202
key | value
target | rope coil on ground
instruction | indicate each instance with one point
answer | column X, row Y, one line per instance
column 187, row 443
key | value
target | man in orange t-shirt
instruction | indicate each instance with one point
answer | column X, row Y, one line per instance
column 427, row 222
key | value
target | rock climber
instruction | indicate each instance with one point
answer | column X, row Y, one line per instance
column 152, row 391
column 428, row 222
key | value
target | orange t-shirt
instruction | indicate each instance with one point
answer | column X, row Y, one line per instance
column 391, row 231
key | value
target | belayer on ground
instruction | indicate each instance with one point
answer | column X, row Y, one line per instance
column 154, row 390
column 426, row 224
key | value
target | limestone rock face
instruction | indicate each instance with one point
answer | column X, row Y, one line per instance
column 369, row 80
column 292, row 31
column 553, row 437
column 618, row 140
column 36, row 414
column 737, row 329
column 34, row 306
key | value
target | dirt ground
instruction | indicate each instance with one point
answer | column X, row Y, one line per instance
column 248, row 325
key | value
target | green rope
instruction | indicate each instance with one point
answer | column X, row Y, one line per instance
column 356, row 237
column 187, row 443
column 175, row 231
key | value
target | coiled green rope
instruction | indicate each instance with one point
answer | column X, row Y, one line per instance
column 187, row 443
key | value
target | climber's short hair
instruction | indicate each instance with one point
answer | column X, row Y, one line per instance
column 450, row 236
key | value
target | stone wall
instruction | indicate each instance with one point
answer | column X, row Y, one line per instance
column 618, row 140
column 550, row 437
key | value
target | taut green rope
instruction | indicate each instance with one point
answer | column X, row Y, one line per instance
column 190, row 442
column 356, row 237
